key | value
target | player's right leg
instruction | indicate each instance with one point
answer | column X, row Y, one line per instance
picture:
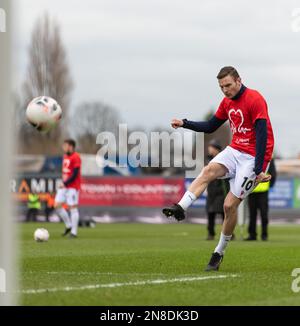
column 209, row 173
column 60, row 199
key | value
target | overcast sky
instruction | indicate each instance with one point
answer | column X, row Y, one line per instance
column 157, row 59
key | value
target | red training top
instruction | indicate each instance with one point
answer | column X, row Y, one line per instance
column 70, row 162
column 242, row 114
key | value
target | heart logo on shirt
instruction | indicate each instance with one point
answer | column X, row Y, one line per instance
column 236, row 121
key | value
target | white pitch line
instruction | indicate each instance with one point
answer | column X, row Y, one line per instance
column 94, row 273
column 114, row 285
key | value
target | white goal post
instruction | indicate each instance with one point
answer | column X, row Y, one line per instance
column 8, row 238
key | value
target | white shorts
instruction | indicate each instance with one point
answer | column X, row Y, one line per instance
column 70, row 196
column 240, row 170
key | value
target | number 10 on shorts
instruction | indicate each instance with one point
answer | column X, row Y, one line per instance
column 247, row 183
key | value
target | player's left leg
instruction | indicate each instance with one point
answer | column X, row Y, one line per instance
column 72, row 201
column 240, row 187
column 75, row 220
column 231, row 204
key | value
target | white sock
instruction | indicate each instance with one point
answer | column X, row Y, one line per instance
column 63, row 214
column 187, row 200
column 75, row 219
column 223, row 242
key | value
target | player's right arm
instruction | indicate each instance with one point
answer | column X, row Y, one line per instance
column 200, row 126
column 204, row 126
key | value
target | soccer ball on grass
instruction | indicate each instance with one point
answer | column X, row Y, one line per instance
column 41, row 235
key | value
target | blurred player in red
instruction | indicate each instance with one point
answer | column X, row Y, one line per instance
column 245, row 161
column 68, row 193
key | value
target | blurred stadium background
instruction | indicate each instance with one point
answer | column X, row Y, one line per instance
column 126, row 194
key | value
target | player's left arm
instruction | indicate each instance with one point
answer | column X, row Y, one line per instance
column 259, row 116
column 72, row 177
column 261, row 145
column 76, row 170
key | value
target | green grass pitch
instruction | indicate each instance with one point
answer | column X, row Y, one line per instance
column 141, row 264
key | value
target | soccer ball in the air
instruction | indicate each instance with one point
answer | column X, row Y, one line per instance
column 43, row 113
column 41, row 235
